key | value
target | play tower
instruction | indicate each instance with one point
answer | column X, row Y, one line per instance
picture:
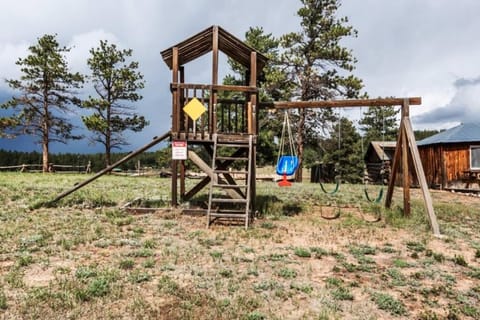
column 217, row 120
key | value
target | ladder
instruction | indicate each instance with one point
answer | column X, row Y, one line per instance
column 230, row 190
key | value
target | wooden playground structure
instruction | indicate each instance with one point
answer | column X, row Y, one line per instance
column 226, row 130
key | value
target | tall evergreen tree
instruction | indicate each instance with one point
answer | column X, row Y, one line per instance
column 47, row 92
column 273, row 85
column 379, row 124
column 318, row 65
column 423, row 134
column 6, row 124
column 116, row 83
column 342, row 149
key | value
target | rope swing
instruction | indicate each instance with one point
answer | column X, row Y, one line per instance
column 287, row 164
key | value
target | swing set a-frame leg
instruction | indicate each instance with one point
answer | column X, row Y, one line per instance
column 405, row 147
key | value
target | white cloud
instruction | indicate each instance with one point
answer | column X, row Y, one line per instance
column 404, row 48
column 80, row 48
column 462, row 107
column 9, row 54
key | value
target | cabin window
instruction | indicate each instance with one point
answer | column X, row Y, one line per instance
column 474, row 157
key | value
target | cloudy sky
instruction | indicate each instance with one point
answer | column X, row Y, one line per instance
column 426, row 48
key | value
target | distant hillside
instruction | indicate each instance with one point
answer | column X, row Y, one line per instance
column 422, row 134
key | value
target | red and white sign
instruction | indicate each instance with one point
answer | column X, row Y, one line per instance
column 179, row 150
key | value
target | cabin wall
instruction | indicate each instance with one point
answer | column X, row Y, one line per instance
column 457, row 160
column 444, row 164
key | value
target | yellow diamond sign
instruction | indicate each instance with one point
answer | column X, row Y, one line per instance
column 194, row 109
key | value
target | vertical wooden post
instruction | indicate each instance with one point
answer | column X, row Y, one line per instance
column 176, row 121
column 213, row 94
column 252, row 128
column 406, row 139
column 175, row 113
column 183, row 100
column 253, row 97
column 405, row 169
column 215, row 55
column 393, row 173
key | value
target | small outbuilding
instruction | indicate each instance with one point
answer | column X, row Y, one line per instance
column 378, row 159
column 451, row 158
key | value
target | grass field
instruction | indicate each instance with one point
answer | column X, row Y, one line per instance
column 86, row 259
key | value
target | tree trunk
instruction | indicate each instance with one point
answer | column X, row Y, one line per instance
column 108, row 161
column 108, row 136
column 45, row 130
column 300, row 140
column 45, row 164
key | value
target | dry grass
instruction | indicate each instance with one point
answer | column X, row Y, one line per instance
column 86, row 259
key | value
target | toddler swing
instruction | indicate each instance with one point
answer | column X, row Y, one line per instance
column 287, row 164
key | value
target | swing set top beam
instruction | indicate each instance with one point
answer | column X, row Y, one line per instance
column 380, row 102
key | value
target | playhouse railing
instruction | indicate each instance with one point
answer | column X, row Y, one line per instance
column 228, row 110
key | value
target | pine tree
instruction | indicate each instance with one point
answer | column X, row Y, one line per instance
column 318, row 65
column 342, row 150
column 379, row 124
column 6, row 124
column 47, row 91
column 273, row 86
column 116, row 83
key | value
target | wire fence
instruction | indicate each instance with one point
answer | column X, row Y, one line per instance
column 63, row 168
column 66, row 168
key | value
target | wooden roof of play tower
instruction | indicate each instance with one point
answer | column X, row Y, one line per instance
column 204, row 42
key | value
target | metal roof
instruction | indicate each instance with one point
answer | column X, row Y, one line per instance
column 202, row 43
column 465, row 132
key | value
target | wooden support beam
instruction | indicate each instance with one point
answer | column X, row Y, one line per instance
column 347, row 103
column 406, row 140
column 201, row 164
column 253, row 97
column 176, row 122
column 182, row 101
column 132, row 154
column 405, row 174
column 196, row 189
column 213, row 95
column 215, row 55
column 175, row 93
column 421, row 177
column 213, row 88
column 213, row 177
column 396, row 162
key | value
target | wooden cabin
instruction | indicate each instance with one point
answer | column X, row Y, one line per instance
column 378, row 159
column 217, row 120
column 451, row 158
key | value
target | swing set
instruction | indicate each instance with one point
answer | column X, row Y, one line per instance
column 287, row 163
column 406, row 149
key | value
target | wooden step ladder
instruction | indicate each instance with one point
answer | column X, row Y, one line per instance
column 229, row 197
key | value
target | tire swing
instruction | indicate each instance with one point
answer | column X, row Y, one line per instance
column 287, row 164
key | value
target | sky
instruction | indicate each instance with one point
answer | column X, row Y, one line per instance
column 425, row 48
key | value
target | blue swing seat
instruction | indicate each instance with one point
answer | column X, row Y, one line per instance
column 287, row 165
